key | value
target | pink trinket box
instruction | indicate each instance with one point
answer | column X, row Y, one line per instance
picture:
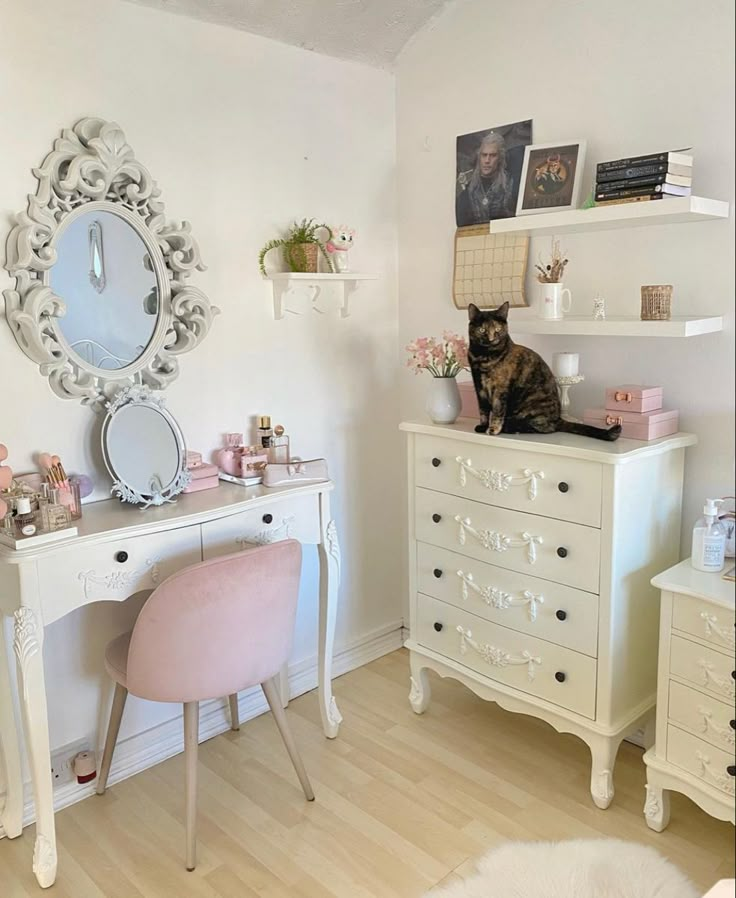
column 469, row 400
column 204, row 483
column 636, row 425
column 202, row 471
column 633, row 398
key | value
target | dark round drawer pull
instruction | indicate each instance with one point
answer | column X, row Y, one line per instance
column 562, row 552
column 436, row 518
column 437, row 572
column 121, row 557
column 267, row 519
column 563, row 487
column 436, row 462
column 561, row 615
column 438, row 626
column 731, row 770
column 732, row 723
column 560, row 676
column 733, row 674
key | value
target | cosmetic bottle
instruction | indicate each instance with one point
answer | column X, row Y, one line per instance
column 55, row 515
column 279, row 450
column 25, row 520
column 709, row 539
column 265, row 434
column 229, row 458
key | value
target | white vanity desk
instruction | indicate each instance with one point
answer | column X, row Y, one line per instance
column 119, row 551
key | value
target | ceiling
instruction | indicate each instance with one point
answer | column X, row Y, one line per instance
column 369, row 31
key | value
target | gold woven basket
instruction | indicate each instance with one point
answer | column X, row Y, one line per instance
column 656, row 302
column 302, row 256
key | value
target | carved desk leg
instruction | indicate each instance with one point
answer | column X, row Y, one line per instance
column 28, row 645
column 329, row 582
column 11, row 814
column 657, row 808
column 420, row 694
column 603, row 750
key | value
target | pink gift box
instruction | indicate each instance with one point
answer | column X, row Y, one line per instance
column 636, row 425
column 469, row 400
column 633, row 398
column 206, row 483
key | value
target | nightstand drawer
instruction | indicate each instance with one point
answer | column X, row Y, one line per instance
column 702, row 715
column 558, row 614
column 531, row 544
column 702, row 760
column 529, row 665
column 706, row 669
column 549, row 485
column 705, row 620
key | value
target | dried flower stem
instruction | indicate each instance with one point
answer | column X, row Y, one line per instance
column 552, row 272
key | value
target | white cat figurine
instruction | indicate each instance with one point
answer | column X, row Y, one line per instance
column 338, row 245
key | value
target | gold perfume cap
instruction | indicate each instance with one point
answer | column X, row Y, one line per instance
column 264, row 421
column 279, row 430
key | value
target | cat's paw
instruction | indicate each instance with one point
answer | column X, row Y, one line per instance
column 481, row 428
column 495, row 428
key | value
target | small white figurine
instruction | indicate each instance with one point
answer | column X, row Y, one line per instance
column 599, row 308
column 338, row 245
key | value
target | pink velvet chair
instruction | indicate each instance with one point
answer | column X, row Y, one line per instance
column 210, row 630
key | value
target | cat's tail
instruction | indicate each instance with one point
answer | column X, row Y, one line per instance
column 587, row 430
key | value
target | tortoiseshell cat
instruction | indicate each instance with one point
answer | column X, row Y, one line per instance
column 517, row 392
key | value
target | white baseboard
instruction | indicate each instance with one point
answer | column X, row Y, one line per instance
column 143, row 750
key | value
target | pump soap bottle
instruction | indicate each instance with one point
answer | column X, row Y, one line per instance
column 709, row 540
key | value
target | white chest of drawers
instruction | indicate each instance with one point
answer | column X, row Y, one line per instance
column 530, row 559
column 696, row 721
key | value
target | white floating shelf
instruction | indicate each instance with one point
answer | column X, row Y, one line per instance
column 573, row 326
column 670, row 210
column 284, row 281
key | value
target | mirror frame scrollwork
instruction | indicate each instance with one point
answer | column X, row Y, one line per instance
column 92, row 165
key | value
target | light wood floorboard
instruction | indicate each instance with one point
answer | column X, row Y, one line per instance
column 403, row 803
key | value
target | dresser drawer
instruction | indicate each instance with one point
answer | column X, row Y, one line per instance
column 530, row 665
column 702, row 715
column 114, row 570
column 295, row 518
column 707, row 763
column 531, row 544
column 558, row 614
column 712, row 623
column 703, row 667
column 549, row 485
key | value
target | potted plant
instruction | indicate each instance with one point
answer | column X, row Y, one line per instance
column 300, row 247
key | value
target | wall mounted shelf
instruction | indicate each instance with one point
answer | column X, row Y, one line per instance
column 311, row 284
column 615, row 326
column 671, row 210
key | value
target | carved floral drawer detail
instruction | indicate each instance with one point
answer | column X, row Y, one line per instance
column 498, row 598
column 269, row 534
column 499, row 481
column 714, row 681
column 726, row 734
column 496, row 656
column 495, row 541
column 710, row 773
column 716, row 631
column 121, row 579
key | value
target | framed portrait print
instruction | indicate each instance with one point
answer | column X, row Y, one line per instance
column 551, row 177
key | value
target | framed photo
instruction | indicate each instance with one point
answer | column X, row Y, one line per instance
column 551, row 177
column 488, row 172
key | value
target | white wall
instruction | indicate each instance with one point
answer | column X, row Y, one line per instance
column 243, row 136
column 630, row 78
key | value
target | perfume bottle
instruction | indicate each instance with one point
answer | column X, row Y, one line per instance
column 265, row 433
column 25, row 520
column 54, row 515
column 278, row 452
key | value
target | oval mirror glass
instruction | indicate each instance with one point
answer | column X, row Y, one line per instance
column 143, row 449
column 106, row 278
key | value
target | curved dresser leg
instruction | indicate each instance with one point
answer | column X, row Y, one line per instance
column 657, row 808
column 329, row 582
column 603, row 751
column 28, row 645
column 421, row 692
column 11, row 814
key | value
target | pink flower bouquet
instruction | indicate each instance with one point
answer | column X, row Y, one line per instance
column 442, row 358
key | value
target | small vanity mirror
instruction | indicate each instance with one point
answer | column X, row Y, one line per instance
column 144, row 449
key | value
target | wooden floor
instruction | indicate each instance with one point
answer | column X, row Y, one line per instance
column 403, row 802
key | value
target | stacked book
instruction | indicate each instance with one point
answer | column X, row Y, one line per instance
column 642, row 178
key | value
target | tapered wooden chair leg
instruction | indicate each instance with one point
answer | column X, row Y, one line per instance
column 113, row 728
column 234, row 712
column 273, row 697
column 191, row 741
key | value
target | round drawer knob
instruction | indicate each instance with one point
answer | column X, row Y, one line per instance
column 563, row 487
column 562, row 552
column 437, row 572
column 121, row 557
column 436, row 518
column 731, row 770
column 732, row 724
column 561, row 615
column 438, row 626
column 267, row 519
column 436, row 462
column 733, row 674
column 560, row 676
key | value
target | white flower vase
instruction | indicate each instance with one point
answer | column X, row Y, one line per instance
column 443, row 401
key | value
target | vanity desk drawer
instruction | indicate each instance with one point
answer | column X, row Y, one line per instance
column 549, row 485
column 709, row 764
column 295, row 518
column 531, row 544
column 114, row 570
column 702, row 715
column 704, row 620
column 707, row 670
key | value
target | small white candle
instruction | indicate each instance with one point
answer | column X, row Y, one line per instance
column 565, row 364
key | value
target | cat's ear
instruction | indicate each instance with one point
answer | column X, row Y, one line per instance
column 473, row 312
column 502, row 312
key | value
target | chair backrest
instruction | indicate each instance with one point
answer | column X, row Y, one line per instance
column 217, row 627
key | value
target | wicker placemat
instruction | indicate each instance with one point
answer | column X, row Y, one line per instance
column 489, row 268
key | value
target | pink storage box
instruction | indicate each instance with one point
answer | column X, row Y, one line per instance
column 469, row 400
column 635, row 425
column 202, row 471
column 205, row 483
column 194, row 459
column 634, row 398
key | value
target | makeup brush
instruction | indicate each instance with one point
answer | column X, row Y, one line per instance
column 60, row 470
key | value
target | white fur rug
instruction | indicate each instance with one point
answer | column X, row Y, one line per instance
column 582, row 868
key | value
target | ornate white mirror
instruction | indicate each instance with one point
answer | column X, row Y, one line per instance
column 101, row 298
column 143, row 448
